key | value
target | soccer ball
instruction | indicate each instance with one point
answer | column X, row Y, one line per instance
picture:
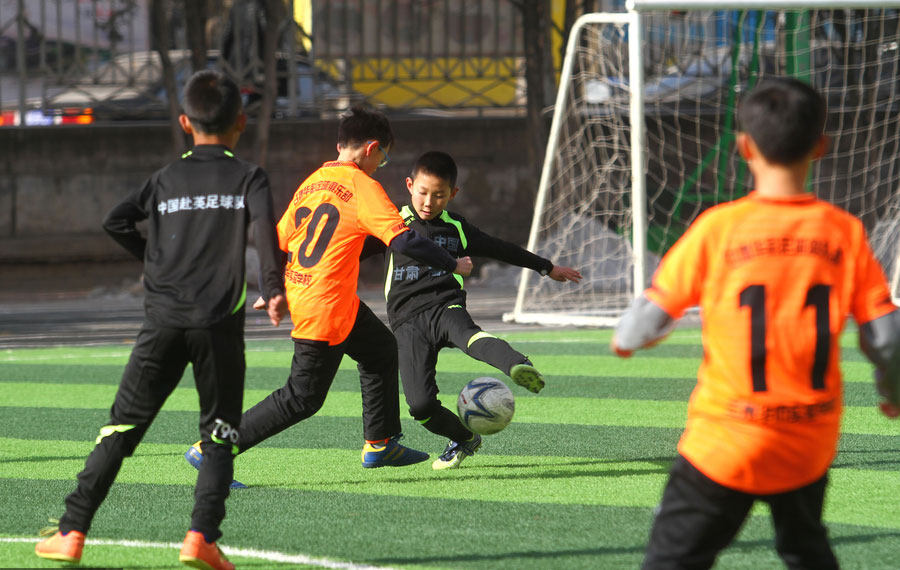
column 485, row 405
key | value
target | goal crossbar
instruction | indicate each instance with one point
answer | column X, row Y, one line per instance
column 614, row 132
column 684, row 5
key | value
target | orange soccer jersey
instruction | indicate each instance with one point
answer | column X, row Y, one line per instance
column 323, row 230
column 775, row 279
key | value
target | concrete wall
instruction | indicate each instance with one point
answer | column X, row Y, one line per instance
column 58, row 183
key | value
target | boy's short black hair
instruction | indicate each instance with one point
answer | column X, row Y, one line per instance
column 363, row 125
column 436, row 163
column 212, row 101
column 785, row 117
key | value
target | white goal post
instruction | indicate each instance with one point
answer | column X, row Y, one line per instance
column 643, row 127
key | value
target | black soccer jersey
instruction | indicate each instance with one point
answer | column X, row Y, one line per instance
column 411, row 287
column 198, row 210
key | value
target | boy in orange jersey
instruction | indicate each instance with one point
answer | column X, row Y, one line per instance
column 775, row 274
column 322, row 232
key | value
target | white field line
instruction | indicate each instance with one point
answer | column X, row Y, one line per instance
column 268, row 555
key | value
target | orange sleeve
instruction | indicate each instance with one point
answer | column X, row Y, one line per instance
column 678, row 281
column 378, row 216
column 872, row 297
column 285, row 228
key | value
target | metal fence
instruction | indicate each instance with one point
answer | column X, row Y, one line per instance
column 93, row 60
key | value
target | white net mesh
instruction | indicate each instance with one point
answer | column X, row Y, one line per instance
column 696, row 65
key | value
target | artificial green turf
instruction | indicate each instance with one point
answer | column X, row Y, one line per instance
column 570, row 484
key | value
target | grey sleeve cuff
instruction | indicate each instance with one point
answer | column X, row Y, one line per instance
column 642, row 324
column 879, row 339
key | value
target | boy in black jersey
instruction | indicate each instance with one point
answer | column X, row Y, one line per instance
column 199, row 209
column 427, row 306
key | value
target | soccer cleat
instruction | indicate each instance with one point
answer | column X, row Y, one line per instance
column 455, row 453
column 527, row 376
column 195, row 457
column 197, row 553
column 62, row 547
column 392, row 454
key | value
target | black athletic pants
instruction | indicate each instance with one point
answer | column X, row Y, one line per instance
column 313, row 368
column 157, row 364
column 698, row 518
column 420, row 339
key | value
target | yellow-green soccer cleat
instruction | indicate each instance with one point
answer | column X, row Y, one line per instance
column 391, row 454
column 455, row 453
column 527, row 376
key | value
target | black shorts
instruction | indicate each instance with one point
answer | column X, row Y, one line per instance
column 158, row 360
column 699, row 517
column 313, row 368
column 421, row 338
column 157, row 363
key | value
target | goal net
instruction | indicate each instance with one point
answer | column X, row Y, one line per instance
column 695, row 65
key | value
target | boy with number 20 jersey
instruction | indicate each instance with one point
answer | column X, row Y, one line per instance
column 323, row 231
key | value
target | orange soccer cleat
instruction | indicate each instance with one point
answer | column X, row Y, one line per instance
column 197, row 553
column 63, row 547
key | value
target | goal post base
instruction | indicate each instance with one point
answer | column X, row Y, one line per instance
column 560, row 319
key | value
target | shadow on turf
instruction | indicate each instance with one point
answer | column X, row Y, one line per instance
column 556, row 554
column 528, row 554
column 81, row 456
column 841, row 462
column 835, row 540
column 477, row 472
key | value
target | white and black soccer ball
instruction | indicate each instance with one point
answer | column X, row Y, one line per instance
column 486, row 405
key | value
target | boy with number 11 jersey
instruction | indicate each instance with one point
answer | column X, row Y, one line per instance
column 775, row 275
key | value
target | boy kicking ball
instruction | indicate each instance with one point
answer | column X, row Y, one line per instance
column 426, row 305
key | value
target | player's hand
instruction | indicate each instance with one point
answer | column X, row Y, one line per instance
column 259, row 304
column 562, row 274
column 614, row 346
column 887, row 407
column 277, row 309
column 889, row 410
column 464, row 266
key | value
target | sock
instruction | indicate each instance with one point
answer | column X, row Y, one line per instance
column 205, row 537
column 378, row 441
column 446, row 424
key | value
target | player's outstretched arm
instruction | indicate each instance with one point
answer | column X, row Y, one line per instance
column 643, row 325
column 424, row 250
column 887, row 389
column 562, row 274
column 879, row 340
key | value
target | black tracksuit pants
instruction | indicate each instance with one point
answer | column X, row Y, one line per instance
column 313, row 368
column 420, row 339
column 698, row 518
column 156, row 365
